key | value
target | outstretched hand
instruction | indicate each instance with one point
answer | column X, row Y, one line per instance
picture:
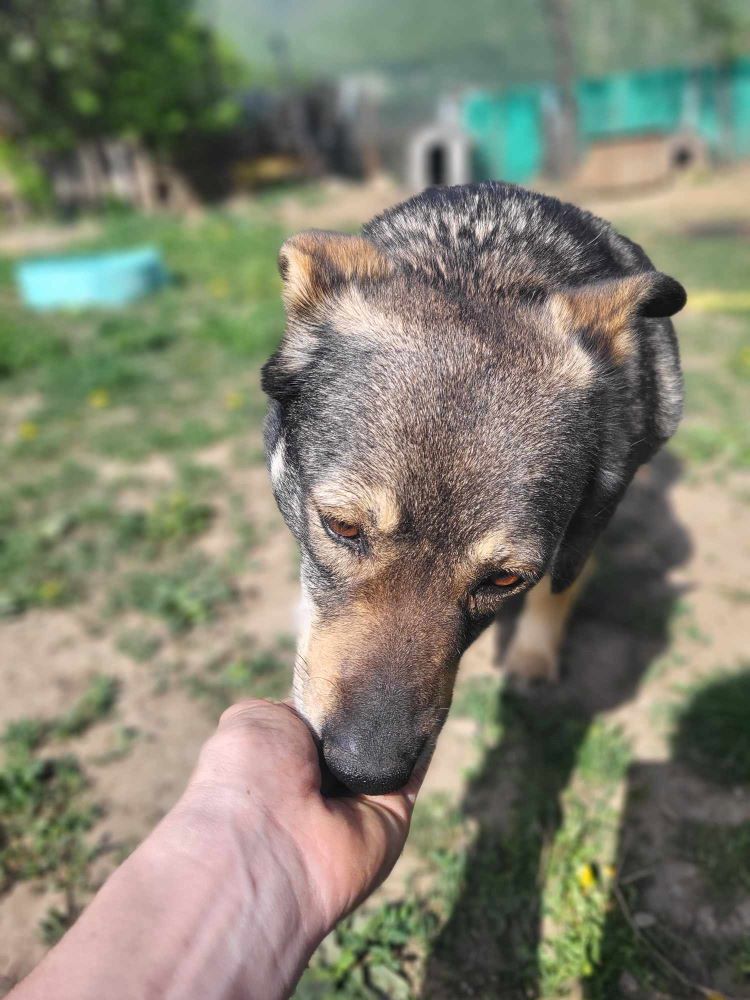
column 263, row 758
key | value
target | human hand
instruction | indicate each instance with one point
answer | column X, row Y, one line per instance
column 262, row 767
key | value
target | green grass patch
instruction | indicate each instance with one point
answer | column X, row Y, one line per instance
column 722, row 853
column 265, row 673
column 43, row 818
column 712, row 734
column 95, row 704
column 190, row 594
column 45, row 808
column 139, row 645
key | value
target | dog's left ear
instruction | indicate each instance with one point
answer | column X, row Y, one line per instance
column 603, row 312
column 314, row 264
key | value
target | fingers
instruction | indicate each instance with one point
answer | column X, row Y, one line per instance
column 256, row 711
column 263, row 746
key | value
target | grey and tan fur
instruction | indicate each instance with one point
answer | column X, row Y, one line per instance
column 469, row 386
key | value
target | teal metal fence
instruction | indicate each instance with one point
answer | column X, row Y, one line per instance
column 509, row 129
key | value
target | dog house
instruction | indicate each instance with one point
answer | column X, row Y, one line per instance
column 438, row 155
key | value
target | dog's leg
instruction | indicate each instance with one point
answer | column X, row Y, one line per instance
column 534, row 651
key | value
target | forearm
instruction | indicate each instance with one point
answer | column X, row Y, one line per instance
column 201, row 909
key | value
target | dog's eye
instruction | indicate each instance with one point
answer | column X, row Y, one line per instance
column 504, row 579
column 342, row 528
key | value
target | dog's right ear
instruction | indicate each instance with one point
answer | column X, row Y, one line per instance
column 315, row 264
column 313, row 267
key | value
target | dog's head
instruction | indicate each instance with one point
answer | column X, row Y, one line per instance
column 429, row 461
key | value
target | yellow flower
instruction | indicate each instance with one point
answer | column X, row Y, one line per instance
column 98, row 399
column 609, row 872
column 586, row 878
column 234, row 400
column 28, row 430
column 49, row 591
column 219, row 288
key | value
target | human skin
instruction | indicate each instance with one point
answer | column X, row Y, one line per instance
column 232, row 892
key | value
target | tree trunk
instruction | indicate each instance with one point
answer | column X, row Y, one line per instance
column 564, row 148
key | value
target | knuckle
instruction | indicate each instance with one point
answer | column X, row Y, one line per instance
column 243, row 711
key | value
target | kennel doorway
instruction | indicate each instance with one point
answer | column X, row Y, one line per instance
column 438, row 155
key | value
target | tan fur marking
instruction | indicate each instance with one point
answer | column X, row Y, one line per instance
column 535, row 649
column 605, row 308
column 497, row 549
column 384, row 505
column 359, row 504
column 492, row 546
column 337, row 653
column 317, row 673
column 313, row 263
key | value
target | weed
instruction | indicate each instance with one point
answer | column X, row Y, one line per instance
column 95, row 704
column 184, row 597
column 43, row 817
column 366, row 956
column 56, row 922
column 176, row 518
column 265, row 674
column 124, row 739
column 23, row 736
column 139, row 645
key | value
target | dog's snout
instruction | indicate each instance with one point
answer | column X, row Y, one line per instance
column 366, row 773
column 373, row 752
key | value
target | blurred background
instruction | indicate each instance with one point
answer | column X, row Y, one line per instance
column 591, row 841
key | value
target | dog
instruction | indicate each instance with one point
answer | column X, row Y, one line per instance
column 460, row 399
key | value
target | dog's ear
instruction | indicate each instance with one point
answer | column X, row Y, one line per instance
column 603, row 312
column 315, row 264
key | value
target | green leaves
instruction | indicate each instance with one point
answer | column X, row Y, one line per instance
column 79, row 69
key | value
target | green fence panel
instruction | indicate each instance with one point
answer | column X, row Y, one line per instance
column 740, row 107
column 630, row 102
column 506, row 131
column 507, row 128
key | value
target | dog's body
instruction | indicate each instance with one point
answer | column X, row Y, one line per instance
column 460, row 400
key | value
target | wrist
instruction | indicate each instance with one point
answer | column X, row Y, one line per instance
column 263, row 904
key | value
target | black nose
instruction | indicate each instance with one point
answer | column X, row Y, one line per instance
column 368, row 759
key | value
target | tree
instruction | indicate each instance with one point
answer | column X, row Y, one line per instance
column 563, row 150
column 87, row 69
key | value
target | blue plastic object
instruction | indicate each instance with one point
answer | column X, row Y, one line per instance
column 103, row 279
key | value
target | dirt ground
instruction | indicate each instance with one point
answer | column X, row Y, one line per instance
column 696, row 542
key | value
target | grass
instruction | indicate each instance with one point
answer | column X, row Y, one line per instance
column 263, row 673
column 183, row 597
column 722, row 854
column 46, row 812
column 712, row 734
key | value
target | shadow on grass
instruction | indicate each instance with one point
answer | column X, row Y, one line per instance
column 490, row 945
column 679, row 919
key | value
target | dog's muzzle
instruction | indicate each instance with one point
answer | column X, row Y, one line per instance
column 373, row 749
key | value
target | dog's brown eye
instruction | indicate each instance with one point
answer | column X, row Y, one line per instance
column 342, row 528
column 504, row 579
